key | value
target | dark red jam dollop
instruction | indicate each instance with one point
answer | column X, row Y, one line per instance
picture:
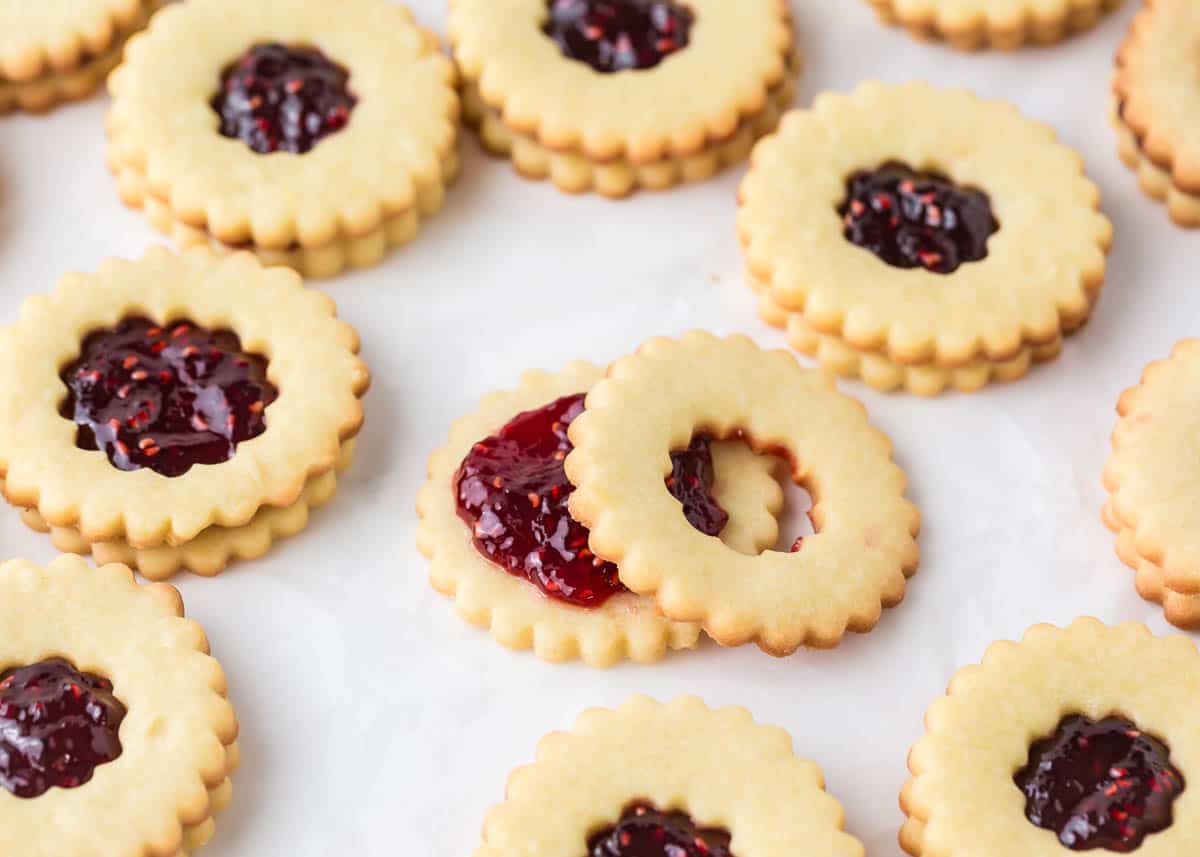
column 57, row 725
column 644, row 831
column 166, row 397
column 277, row 98
column 1099, row 784
column 615, row 35
column 512, row 489
column 913, row 219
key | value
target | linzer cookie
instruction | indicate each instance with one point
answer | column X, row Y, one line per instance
column 115, row 733
column 1157, row 105
column 838, row 579
column 501, row 541
column 176, row 411
column 1154, row 484
column 60, row 50
column 615, row 95
column 921, row 254
column 1002, row 24
column 317, row 141
column 1074, row 739
column 677, row 779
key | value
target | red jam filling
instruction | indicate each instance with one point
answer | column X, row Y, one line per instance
column 644, row 831
column 1100, row 784
column 57, row 725
column 166, row 397
column 913, row 219
column 512, row 490
column 276, row 98
column 616, row 35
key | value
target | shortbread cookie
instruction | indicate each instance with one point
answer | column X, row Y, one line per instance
column 1073, row 739
column 620, row 94
column 839, row 578
column 56, row 37
column 969, row 236
column 674, row 778
column 1003, row 24
column 1154, row 484
column 114, row 726
column 153, row 400
column 1158, row 105
column 926, row 379
column 40, row 93
column 564, row 603
column 313, row 139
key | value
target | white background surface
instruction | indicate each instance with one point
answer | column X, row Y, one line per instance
column 374, row 721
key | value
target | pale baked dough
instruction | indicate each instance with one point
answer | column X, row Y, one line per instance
column 697, row 96
column 1045, row 265
column 313, row 363
column 1002, row 24
column 652, row 402
column 1180, row 609
column 55, row 37
column 518, row 614
column 395, row 147
column 718, row 765
column 962, row 802
column 1154, row 181
column 178, row 735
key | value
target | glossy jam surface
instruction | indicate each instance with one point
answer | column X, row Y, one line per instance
column 1100, row 784
column 166, row 397
column 512, row 490
column 617, row 35
column 644, row 831
column 913, row 219
column 276, row 98
column 57, row 725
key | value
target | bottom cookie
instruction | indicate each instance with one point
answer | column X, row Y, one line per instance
column 327, row 260
column 1180, row 609
column 210, row 552
column 1154, row 181
column 882, row 373
column 980, row 33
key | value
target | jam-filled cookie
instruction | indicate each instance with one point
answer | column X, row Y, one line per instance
column 115, row 733
column 1157, row 105
column 176, row 411
column 316, row 140
column 674, row 779
column 1002, row 24
column 948, row 251
column 613, row 95
column 838, row 579
column 1075, row 739
column 502, row 542
column 1153, row 481
column 60, row 50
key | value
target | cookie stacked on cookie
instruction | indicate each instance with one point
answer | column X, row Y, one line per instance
column 317, row 141
column 921, row 255
column 1001, row 24
column 614, row 514
column 616, row 95
column 60, row 50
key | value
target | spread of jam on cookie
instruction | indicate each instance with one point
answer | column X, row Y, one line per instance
column 512, row 490
column 1099, row 784
column 913, row 219
column 166, row 397
column 644, row 831
column 617, row 35
column 57, row 725
column 276, row 98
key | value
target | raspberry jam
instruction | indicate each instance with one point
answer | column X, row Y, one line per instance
column 57, row 725
column 512, row 490
column 644, row 831
column 616, row 35
column 1099, row 784
column 913, row 219
column 276, row 98
column 166, row 397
